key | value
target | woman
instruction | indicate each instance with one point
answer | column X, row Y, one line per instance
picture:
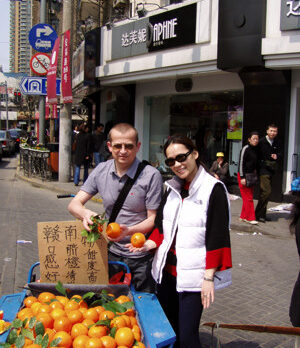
column 83, row 153
column 247, row 170
column 295, row 300
column 192, row 237
column 220, row 168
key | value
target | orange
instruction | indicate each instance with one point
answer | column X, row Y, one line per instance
column 124, row 336
column 29, row 301
column 108, row 342
column 45, row 319
column 66, row 340
column 57, row 313
column 113, row 230
column 136, row 332
column 25, row 313
column 34, row 346
column 138, row 240
column 99, row 309
column 71, row 305
column 97, row 331
column 82, row 310
column 91, row 313
column 78, row 330
column 139, row 345
column 35, row 307
column 127, row 319
column 62, row 324
column 118, row 322
column 75, row 316
column 122, row 299
column 133, row 321
column 88, row 322
column 51, row 333
column 45, row 308
column 62, row 299
column 28, row 342
column 106, row 315
column 56, row 304
column 80, row 341
column 46, row 297
column 77, row 297
column 83, row 305
column 94, row 342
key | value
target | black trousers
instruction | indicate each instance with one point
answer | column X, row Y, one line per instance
column 140, row 269
column 183, row 310
column 265, row 189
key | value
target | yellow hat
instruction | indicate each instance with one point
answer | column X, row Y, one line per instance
column 220, row 154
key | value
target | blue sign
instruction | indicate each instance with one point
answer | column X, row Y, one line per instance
column 33, row 85
column 42, row 37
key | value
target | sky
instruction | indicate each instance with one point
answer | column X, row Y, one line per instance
column 4, row 34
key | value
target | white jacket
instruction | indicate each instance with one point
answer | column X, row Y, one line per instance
column 189, row 217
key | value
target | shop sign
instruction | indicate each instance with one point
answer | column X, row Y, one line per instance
column 51, row 74
column 290, row 15
column 162, row 31
column 66, row 88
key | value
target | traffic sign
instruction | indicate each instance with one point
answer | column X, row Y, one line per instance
column 42, row 37
column 34, row 85
column 39, row 63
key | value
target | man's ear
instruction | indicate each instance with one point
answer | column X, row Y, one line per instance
column 109, row 146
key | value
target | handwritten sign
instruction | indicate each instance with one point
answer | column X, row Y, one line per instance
column 66, row 256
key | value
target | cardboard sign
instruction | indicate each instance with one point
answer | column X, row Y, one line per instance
column 66, row 256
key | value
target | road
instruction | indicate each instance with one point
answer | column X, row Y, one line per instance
column 265, row 266
column 22, row 206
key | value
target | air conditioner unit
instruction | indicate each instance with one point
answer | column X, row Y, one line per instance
column 120, row 3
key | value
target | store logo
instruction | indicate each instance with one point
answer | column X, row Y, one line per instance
column 293, row 10
column 158, row 32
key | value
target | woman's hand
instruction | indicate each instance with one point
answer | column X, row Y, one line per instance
column 148, row 245
column 124, row 232
column 207, row 293
column 243, row 182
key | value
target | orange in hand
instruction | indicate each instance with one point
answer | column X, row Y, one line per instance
column 113, row 230
column 138, row 240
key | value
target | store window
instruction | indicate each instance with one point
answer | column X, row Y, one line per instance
column 213, row 121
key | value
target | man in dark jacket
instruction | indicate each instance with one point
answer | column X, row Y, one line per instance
column 268, row 152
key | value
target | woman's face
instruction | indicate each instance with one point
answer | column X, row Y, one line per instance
column 187, row 169
column 253, row 141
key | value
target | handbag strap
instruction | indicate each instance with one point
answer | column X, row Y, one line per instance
column 124, row 192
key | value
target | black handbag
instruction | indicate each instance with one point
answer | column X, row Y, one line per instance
column 251, row 179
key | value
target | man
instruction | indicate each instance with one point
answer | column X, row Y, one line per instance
column 220, row 168
column 268, row 151
column 139, row 209
column 98, row 138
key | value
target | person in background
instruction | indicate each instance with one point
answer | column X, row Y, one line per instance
column 248, row 166
column 295, row 229
column 268, row 152
column 138, row 211
column 83, row 152
column 98, row 138
column 220, row 168
column 192, row 240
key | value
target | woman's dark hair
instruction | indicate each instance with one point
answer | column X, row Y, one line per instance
column 252, row 133
column 295, row 214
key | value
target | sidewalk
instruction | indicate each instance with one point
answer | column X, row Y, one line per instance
column 277, row 228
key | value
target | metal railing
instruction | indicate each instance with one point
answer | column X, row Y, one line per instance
column 35, row 163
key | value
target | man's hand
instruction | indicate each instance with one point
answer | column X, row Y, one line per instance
column 124, row 232
column 86, row 218
column 148, row 245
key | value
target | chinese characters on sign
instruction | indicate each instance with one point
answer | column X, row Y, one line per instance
column 290, row 15
column 66, row 256
column 66, row 87
column 51, row 74
column 293, row 10
column 134, row 37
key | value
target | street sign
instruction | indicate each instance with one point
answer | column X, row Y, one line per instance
column 34, row 85
column 42, row 37
column 39, row 63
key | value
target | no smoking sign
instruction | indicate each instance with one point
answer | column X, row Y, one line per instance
column 39, row 63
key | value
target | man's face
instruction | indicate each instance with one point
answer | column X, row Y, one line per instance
column 272, row 132
column 123, row 147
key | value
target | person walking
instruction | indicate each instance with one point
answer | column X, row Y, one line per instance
column 83, row 153
column 220, row 168
column 138, row 211
column 192, row 239
column 247, row 177
column 98, row 138
column 269, row 152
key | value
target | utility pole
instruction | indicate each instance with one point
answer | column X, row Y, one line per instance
column 65, row 119
column 6, row 103
column 42, row 99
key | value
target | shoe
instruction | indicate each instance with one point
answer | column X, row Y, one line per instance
column 261, row 220
column 252, row 222
column 76, row 184
column 242, row 219
column 267, row 219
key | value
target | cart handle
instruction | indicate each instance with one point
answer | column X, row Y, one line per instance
column 29, row 279
column 65, row 195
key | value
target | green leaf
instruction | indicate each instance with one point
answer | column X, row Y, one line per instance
column 17, row 323
column 32, row 322
column 60, row 288
column 96, row 303
column 113, row 332
column 88, row 295
column 39, row 328
column 128, row 305
column 114, row 307
column 13, row 335
column 5, row 345
column 25, row 322
column 45, row 341
column 38, row 339
column 103, row 322
column 20, row 341
column 84, row 233
column 27, row 333
column 55, row 342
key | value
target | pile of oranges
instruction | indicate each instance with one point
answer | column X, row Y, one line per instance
column 71, row 323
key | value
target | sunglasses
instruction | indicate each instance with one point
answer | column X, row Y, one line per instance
column 179, row 158
column 119, row 146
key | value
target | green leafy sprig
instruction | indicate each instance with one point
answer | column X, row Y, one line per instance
column 96, row 228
